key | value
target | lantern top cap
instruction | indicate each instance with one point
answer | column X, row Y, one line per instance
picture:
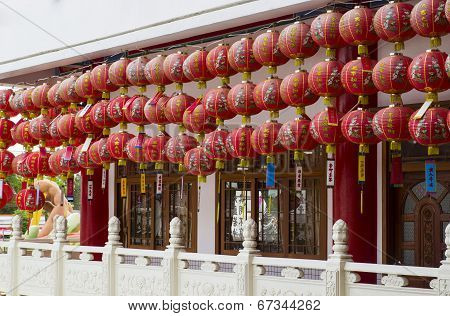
column 395, row 54
column 300, row 70
column 246, row 38
column 330, row 59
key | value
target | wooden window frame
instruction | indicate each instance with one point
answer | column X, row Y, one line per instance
column 253, row 177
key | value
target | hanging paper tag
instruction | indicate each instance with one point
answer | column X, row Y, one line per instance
column 361, row 168
column 159, row 183
column 298, row 178
column 62, row 197
column 68, row 153
column 84, row 110
column 396, row 170
column 51, row 121
column 270, row 175
column 330, row 172
column 140, row 140
column 103, row 178
column 123, row 187
column 423, row 109
column 194, row 104
column 90, row 190
column 333, row 119
column 1, row 189
column 430, row 176
column 37, row 193
column 86, row 144
column 142, row 183
column 69, row 194
column 182, row 188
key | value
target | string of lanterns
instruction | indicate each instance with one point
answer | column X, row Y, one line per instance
column 52, row 116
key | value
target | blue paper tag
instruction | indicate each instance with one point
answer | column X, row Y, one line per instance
column 270, row 175
column 430, row 176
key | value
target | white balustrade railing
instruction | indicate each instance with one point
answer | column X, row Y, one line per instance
column 29, row 268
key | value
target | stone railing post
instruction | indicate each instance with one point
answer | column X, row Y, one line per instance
column 13, row 254
column 109, row 257
column 58, row 256
column 334, row 276
column 244, row 266
column 443, row 285
column 170, row 261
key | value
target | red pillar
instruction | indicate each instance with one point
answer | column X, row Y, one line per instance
column 347, row 192
column 94, row 213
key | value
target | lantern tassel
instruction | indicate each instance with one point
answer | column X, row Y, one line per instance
column 398, row 46
column 330, row 149
column 433, row 150
column 330, row 52
column 363, row 50
column 298, row 62
column 246, row 76
column 435, row 42
column 218, row 197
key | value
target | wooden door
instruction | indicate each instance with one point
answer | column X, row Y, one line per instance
column 421, row 220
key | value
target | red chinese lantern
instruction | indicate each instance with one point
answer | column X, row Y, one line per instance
column 83, row 160
column 218, row 65
column 324, row 133
column 30, row 200
column 19, row 166
column 294, row 91
column 296, row 42
column 39, row 97
column 356, row 28
column 83, row 122
column 134, row 111
column 447, row 65
column 426, row 72
column 177, row 147
column 216, row 104
column 7, row 194
column 37, row 163
column 267, row 96
column 99, row 154
column 21, row 134
column 68, row 161
column 325, row 79
column 241, row 58
column 100, row 80
column 267, row 51
column 431, row 129
column 39, row 129
column 154, row 72
column 116, row 145
column 155, row 111
column 194, row 68
column 173, row 69
column 197, row 121
column 264, row 140
column 154, row 148
column 53, row 163
column 215, row 148
column 6, row 159
column 27, row 102
column 17, row 104
column 325, row 32
column 295, row 135
column 54, row 132
column 67, row 91
column 66, row 127
column 428, row 20
column 391, row 124
column 116, row 110
column 391, row 23
column 390, row 75
column 357, row 128
column 100, row 118
column 135, row 73
column 118, row 74
column 85, row 89
column 135, row 150
column 356, row 78
column 240, row 145
column 54, row 97
column 176, row 106
column 240, row 100
column 198, row 163
column 6, row 128
column 5, row 97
